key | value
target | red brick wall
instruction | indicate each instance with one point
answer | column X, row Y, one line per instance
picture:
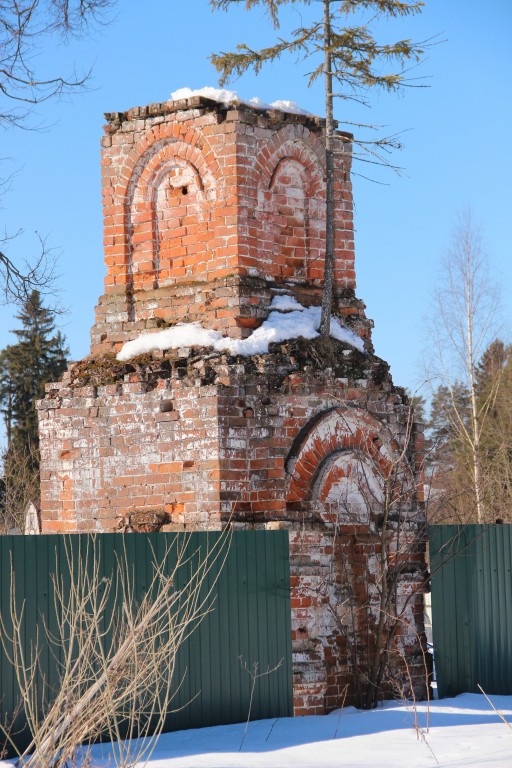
column 119, row 448
column 201, row 202
column 254, row 443
column 208, row 212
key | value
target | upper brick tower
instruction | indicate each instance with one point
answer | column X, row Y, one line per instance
column 207, row 207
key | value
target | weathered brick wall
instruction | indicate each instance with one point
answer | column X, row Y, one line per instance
column 209, row 213
column 206, row 208
column 188, row 442
column 112, row 451
column 308, row 448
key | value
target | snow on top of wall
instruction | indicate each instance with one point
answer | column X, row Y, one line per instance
column 287, row 320
column 227, row 97
column 285, row 303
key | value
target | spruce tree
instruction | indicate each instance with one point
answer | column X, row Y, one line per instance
column 39, row 356
column 490, row 368
column 349, row 58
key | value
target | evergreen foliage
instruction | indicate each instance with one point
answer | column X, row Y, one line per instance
column 491, row 365
column 494, row 384
column 449, row 404
column 39, row 356
column 418, row 405
column 451, row 461
column 344, row 54
column 357, row 58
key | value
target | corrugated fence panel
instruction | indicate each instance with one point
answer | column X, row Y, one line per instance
column 472, row 607
column 247, row 628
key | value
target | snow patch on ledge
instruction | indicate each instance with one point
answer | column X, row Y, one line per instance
column 287, row 320
column 227, row 97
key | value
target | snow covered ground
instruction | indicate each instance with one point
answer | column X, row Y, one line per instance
column 464, row 731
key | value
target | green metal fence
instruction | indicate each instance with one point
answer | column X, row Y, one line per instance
column 249, row 620
column 472, row 607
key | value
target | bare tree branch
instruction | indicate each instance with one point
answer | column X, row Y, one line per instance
column 18, row 281
column 26, row 26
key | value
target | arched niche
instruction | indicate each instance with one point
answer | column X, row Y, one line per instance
column 170, row 205
column 179, row 207
column 290, row 211
column 288, row 217
column 345, row 472
column 348, row 488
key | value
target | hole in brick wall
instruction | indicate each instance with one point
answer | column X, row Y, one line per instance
column 184, row 190
column 166, row 406
column 146, row 520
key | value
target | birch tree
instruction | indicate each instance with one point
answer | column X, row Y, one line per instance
column 463, row 325
column 350, row 62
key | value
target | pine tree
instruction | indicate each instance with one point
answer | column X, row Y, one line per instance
column 449, row 407
column 451, row 463
column 350, row 57
column 451, row 497
column 39, row 356
column 491, row 366
column 494, row 392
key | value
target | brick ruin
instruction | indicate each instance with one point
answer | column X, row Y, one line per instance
column 211, row 210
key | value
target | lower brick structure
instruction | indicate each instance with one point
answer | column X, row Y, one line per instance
column 310, row 437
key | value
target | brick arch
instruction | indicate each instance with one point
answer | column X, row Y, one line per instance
column 288, row 217
column 171, row 192
column 196, row 148
column 290, row 207
column 298, row 143
column 292, row 160
column 338, row 465
column 150, row 163
column 140, row 164
column 179, row 201
column 331, row 433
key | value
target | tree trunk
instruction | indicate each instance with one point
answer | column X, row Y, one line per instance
column 327, row 293
column 475, row 421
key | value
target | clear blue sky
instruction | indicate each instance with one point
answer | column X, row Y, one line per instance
column 456, row 152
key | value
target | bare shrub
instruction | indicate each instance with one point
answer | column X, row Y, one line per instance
column 19, row 485
column 115, row 658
